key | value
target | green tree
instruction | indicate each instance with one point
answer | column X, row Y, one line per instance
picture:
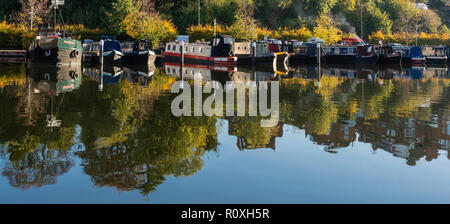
column 120, row 10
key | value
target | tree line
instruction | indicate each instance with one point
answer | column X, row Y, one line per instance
column 160, row 20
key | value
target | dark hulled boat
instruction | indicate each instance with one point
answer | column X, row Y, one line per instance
column 259, row 54
column 55, row 48
column 112, row 53
column 412, row 56
column 276, row 46
column 389, row 54
column 307, row 53
column 360, row 54
column 217, row 53
column 138, row 53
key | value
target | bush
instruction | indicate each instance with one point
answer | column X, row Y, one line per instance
column 410, row 38
column 14, row 36
column 80, row 32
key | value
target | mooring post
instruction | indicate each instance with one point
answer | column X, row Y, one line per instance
column 253, row 48
column 182, row 60
column 318, row 59
column 102, row 43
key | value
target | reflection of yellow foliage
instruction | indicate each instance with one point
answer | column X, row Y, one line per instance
column 28, row 143
column 374, row 105
column 328, row 85
column 12, row 80
column 301, row 81
column 65, row 141
column 409, row 96
column 120, row 135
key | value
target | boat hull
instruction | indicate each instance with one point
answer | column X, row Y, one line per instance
column 55, row 51
column 248, row 60
column 436, row 60
column 199, row 60
column 303, row 59
column 139, row 59
column 413, row 61
column 390, row 59
column 111, row 58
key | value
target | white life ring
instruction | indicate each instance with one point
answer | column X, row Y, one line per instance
column 47, row 53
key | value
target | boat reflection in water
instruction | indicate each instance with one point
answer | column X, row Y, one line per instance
column 31, row 164
column 125, row 137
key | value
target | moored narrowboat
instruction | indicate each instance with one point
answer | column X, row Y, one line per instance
column 435, row 54
column 251, row 53
column 55, row 48
column 138, row 53
column 276, row 46
column 112, row 53
column 359, row 54
column 388, row 54
column 307, row 53
column 217, row 53
column 412, row 55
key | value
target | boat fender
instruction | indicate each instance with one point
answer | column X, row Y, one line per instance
column 74, row 53
column 73, row 75
column 47, row 53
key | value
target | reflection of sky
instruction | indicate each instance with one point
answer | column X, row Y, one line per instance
column 297, row 172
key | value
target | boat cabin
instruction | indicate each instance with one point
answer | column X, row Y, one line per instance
column 436, row 51
column 245, row 48
column 135, row 47
column 352, row 41
column 221, row 46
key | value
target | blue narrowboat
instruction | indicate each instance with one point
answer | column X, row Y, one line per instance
column 112, row 53
column 307, row 53
column 413, row 55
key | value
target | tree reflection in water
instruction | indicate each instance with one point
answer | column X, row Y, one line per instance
column 131, row 141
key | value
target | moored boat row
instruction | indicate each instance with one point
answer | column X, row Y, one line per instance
column 57, row 47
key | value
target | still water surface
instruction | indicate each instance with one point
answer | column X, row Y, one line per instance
column 348, row 135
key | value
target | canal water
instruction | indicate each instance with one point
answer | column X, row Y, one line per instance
column 345, row 135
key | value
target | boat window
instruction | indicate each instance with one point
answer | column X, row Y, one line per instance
column 174, row 48
column 201, row 50
column 228, row 41
column 216, row 41
column 168, row 47
column 193, row 49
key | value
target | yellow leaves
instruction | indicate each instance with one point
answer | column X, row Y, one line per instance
column 206, row 32
column 302, row 34
column 410, row 38
column 139, row 25
column 377, row 36
column 327, row 30
column 15, row 35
